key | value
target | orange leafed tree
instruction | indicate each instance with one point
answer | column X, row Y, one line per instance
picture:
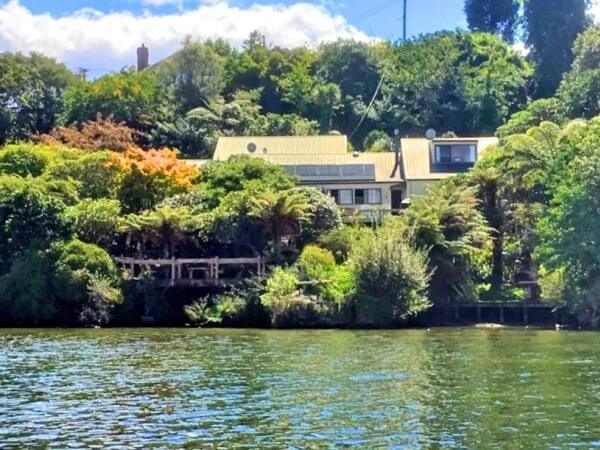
column 151, row 176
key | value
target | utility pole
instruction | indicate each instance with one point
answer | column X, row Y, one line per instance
column 83, row 73
column 404, row 23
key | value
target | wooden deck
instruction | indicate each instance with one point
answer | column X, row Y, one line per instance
column 500, row 308
column 194, row 272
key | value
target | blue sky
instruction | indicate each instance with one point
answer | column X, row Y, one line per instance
column 102, row 35
column 376, row 17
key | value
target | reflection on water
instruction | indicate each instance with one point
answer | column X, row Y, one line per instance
column 174, row 388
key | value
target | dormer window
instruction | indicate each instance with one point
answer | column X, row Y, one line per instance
column 455, row 153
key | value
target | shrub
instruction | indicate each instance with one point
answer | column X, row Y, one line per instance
column 391, row 279
column 315, row 263
column 71, row 282
column 340, row 241
column 23, row 160
column 96, row 221
column 324, row 215
column 285, row 304
column 226, row 309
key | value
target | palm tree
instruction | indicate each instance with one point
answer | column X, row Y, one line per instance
column 229, row 117
column 281, row 214
column 166, row 226
column 327, row 97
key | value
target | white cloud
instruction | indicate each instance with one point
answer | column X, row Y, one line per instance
column 107, row 41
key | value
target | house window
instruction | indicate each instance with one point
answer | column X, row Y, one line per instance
column 345, row 196
column 455, row 153
column 341, row 196
column 359, row 197
column 374, row 196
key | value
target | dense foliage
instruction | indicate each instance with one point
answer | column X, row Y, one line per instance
column 101, row 176
column 452, row 81
column 493, row 16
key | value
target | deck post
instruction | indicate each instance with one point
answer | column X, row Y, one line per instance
column 172, row 271
column 525, row 315
column 501, row 314
column 259, row 266
column 479, row 313
column 216, row 274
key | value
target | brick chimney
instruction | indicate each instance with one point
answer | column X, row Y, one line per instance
column 143, row 57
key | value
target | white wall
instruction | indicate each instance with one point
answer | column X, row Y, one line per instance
column 386, row 195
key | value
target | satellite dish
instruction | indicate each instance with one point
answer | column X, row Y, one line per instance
column 430, row 134
column 251, row 147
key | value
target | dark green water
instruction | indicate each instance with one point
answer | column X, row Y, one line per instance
column 174, row 388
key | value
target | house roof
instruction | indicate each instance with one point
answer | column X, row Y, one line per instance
column 277, row 145
column 416, row 156
column 332, row 150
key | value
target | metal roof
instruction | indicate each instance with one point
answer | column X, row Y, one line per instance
column 332, row 150
column 417, row 158
column 276, row 145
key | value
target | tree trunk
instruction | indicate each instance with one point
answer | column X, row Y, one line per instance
column 278, row 244
column 497, row 262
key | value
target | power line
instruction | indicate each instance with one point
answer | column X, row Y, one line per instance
column 381, row 80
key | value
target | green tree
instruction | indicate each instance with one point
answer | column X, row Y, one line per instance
column 578, row 91
column 324, row 214
column 468, row 83
column 135, row 98
column 355, row 69
column 195, row 74
column 448, row 225
column 28, row 215
column 281, row 215
column 538, row 111
column 493, row 16
column 23, row 160
column 169, row 227
column 241, row 173
column 69, row 283
column 569, row 248
column 31, row 94
column 96, row 221
column 327, row 97
column 551, row 29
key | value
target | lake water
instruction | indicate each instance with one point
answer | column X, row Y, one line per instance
column 189, row 388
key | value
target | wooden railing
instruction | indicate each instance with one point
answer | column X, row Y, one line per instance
column 190, row 271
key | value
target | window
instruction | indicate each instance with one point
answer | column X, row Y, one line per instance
column 329, row 170
column 306, row 171
column 359, row 197
column 345, row 196
column 352, row 170
column 455, row 153
column 374, row 196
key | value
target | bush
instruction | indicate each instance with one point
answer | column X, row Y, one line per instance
column 96, row 221
column 69, row 283
column 391, row 280
column 224, row 309
column 324, row 215
column 23, row 160
column 377, row 141
column 285, row 304
column 340, row 241
column 315, row 263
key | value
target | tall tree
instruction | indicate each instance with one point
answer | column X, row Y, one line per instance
column 31, row 94
column 493, row 16
column 551, row 29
